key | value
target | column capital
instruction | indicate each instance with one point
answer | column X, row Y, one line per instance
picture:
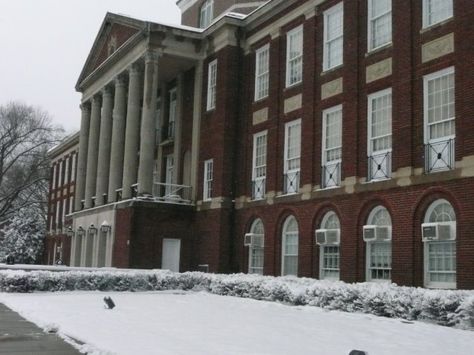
column 151, row 56
column 97, row 99
column 135, row 69
column 120, row 80
column 107, row 90
column 85, row 106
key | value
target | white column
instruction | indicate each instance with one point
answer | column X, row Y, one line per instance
column 82, row 158
column 147, row 134
column 118, row 137
column 104, row 146
column 132, row 131
column 164, row 100
column 91, row 177
column 178, row 129
column 196, row 127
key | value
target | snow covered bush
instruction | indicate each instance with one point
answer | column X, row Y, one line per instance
column 444, row 307
column 23, row 237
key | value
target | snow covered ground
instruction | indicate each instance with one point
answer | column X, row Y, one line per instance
column 201, row 323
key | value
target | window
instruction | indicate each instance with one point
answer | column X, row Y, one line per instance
column 206, row 14
column 53, row 184
column 292, row 157
column 63, row 219
column 73, row 167
column 379, row 23
column 439, row 120
column 259, row 165
column 208, row 176
column 329, row 252
column 294, row 56
column 256, row 252
column 58, row 207
column 333, row 36
column 440, row 256
column 172, row 113
column 289, row 265
column 211, row 85
column 60, row 176
column 436, row 11
column 379, row 127
column 332, row 147
column 169, row 175
column 379, row 250
column 262, row 59
column 66, row 170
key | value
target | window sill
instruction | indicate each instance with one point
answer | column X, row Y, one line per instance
column 435, row 25
column 292, row 86
column 331, row 70
column 378, row 49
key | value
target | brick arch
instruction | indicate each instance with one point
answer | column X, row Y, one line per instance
column 368, row 206
column 419, row 209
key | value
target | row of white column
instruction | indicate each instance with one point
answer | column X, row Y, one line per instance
column 111, row 137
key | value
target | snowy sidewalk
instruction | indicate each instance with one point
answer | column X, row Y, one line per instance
column 18, row 336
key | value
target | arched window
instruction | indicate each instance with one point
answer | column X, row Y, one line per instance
column 328, row 237
column 378, row 238
column 290, row 236
column 256, row 249
column 440, row 248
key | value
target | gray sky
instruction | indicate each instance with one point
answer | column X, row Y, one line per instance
column 45, row 43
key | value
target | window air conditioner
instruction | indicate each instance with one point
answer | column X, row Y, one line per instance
column 377, row 233
column 327, row 236
column 438, row 231
column 253, row 240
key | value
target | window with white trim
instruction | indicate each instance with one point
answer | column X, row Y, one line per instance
column 332, row 146
column 63, row 219
column 73, row 167
column 256, row 254
column 290, row 236
column 172, row 113
column 60, row 176
column 440, row 256
column 53, row 184
column 169, row 174
column 436, row 11
column 379, row 251
column 439, row 120
column 206, row 14
column 211, row 85
column 66, row 170
column 208, row 177
column 294, row 56
column 333, row 36
column 329, row 254
column 292, row 156
column 379, row 23
column 262, row 72
column 379, row 134
column 259, row 165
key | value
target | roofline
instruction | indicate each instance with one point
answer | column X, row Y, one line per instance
column 68, row 142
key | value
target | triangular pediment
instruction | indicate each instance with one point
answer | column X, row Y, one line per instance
column 116, row 30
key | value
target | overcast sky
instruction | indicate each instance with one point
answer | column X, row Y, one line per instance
column 45, row 43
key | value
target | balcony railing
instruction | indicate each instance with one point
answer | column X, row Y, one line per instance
column 439, row 155
column 258, row 189
column 172, row 193
column 331, row 175
column 380, row 166
column 291, row 182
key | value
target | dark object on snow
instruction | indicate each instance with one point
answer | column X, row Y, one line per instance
column 109, row 303
column 10, row 260
column 357, row 352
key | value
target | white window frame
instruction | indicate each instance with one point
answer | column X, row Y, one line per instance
column 331, row 163
column 284, row 237
column 426, row 108
column 60, row 178
column 253, row 269
column 298, row 59
column 381, row 156
column 64, row 212
column 262, row 178
column 324, row 248
column 286, row 170
column 427, row 22
column 73, row 167
column 169, row 173
column 58, row 206
column 66, row 170
column 53, row 184
column 212, row 85
column 206, row 13
column 426, row 245
column 262, row 72
column 370, row 246
column 371, row 21
column 208, row 179
column 327, row 65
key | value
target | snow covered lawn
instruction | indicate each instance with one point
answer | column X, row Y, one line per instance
column 201, row 323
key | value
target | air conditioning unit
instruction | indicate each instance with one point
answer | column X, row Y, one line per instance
column 253, row 240
column 377, row 233
column 327, row 236
column 438, row 231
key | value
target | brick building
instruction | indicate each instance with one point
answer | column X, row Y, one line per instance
column 61, row 200
column 326, row 139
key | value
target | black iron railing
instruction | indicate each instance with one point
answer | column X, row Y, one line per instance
column 331, row 175
column 439, row 155
column 291, row 182
column 380, row 166
column 258, row 189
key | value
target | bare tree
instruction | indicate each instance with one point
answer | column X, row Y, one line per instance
column 26, row 135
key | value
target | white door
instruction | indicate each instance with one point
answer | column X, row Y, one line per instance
column 171, row 253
